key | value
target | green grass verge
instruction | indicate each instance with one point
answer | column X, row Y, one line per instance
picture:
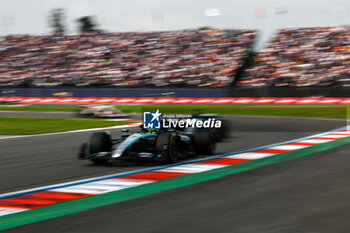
column 328, row 111
column 18, row 219
column 40, row 108
column 31, row 125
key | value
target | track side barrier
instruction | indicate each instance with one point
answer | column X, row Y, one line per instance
column 169, row 100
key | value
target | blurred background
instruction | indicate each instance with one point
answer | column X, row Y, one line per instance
column 176, row 44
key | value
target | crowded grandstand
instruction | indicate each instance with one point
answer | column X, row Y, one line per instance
column 303, row 57
column 186, row 58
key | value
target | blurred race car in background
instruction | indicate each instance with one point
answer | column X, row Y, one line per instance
column 101, row 111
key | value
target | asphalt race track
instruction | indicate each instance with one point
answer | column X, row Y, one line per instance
column 303, row 195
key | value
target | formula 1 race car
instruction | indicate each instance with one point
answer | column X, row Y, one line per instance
column 165, row 145
column 101, row 111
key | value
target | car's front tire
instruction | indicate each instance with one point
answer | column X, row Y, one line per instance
column 204, row 142
column 100, row 142
column 167, row 146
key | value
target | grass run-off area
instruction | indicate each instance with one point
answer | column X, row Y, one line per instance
column 29, row 125
column 329, row 111
column 39, row 108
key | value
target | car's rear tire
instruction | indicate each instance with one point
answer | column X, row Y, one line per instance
column 204, row 142
column 100, row 142
column 224, row 131
column 167, row 146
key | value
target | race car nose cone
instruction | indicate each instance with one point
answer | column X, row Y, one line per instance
column 116, row 154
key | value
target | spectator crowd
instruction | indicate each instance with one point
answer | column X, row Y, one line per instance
column 303, row 57
column 188, row 58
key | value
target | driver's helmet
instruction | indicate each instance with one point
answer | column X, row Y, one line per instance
column 154, row 131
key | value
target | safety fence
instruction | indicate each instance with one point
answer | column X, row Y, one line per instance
column 169, row 100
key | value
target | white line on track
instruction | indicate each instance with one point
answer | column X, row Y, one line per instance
column 292, row 117
column 72, row 131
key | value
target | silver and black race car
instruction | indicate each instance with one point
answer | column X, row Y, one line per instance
column 165, row 145
column 101, row 111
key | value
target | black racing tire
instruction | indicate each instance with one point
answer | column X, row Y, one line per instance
column 167, row 145
column 205, row 141
column 100, row 142
column 224, row 131
column 83, row 151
